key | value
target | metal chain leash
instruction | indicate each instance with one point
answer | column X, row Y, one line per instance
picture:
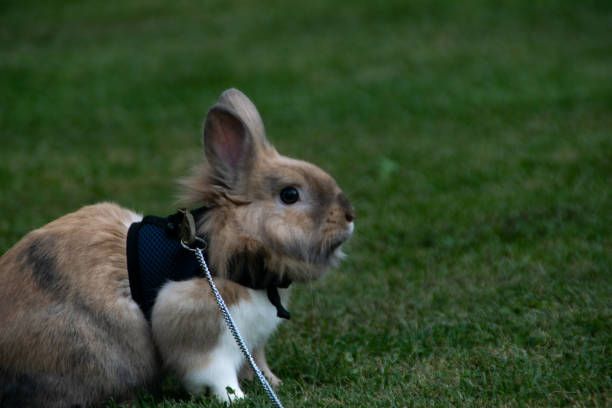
column 234, row 329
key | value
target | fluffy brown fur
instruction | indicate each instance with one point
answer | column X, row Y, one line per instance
column 70, row 333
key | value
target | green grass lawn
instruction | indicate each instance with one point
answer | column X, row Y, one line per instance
column 474, row 139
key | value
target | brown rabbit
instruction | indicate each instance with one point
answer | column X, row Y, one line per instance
column 71, row 331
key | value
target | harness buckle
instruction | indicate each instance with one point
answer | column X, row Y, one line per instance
column 187, row 229
column 187, row 232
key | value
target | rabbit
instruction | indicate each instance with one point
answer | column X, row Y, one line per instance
column 71, row 331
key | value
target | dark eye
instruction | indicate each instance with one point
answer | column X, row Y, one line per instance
column 289, row 195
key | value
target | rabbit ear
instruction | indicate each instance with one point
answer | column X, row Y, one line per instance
column 247, row 112
column 227, row 144
column 234, row 136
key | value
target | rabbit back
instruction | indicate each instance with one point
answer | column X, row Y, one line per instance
column 69, row 331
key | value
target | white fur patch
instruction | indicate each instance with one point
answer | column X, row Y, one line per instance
column 256, row 320
column 133, row 217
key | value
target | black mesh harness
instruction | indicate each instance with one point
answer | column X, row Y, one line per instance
column 155, row 256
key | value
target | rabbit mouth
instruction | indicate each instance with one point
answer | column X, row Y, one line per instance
column 334, row 246
column 333, row 252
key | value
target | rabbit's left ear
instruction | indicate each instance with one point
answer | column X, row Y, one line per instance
column 248, row 114
column 234, row 137
column 228, row 144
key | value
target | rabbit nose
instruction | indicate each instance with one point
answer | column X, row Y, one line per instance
column 345, row 204
column 349, row 215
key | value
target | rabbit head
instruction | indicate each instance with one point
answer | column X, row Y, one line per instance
column 265, row 207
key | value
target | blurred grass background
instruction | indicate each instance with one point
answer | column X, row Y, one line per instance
column 474, row 138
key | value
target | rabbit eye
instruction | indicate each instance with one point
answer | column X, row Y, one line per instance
column 289, row 195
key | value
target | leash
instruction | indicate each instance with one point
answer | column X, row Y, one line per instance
column 231, row 324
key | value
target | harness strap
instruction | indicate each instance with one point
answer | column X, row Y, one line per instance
column 155, row 255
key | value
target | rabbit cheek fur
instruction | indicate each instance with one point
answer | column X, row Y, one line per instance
column 70, row 334
column 249, row 221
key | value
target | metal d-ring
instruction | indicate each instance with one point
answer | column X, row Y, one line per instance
column 197, row 243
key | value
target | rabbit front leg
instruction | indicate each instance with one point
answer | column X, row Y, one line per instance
column 262, row 362
column 193, row 340
column 218, row 374
column 259, row 354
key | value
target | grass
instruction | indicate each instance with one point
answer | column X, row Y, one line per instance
column 474, row 138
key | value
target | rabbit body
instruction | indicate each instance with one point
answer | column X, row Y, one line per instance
column 70, row 332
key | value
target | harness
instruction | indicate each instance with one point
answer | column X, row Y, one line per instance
column 156, row 255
